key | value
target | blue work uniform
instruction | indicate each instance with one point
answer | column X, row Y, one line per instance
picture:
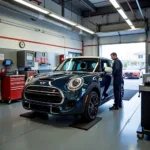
column 117, row 74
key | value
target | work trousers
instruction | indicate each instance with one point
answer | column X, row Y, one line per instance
column 117, row 90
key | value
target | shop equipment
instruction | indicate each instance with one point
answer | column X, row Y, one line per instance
column 12, row 84
column 144, row 89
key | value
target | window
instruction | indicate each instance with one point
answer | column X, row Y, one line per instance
column 69, row 65
column 105, row 63
column 72, row 54
column 140, row 56
column 79, row 64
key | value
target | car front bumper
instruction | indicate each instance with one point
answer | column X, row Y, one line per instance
column 45, row 102
column 77, row 108
column 131, row 75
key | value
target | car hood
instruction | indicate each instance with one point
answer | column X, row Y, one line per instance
column 63, row 75
column 60, row 79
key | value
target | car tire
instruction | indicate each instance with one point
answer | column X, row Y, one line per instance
column 91, row 107
column 9, row 102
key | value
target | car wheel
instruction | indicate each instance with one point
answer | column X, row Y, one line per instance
column 91, row 108
column 9, row 102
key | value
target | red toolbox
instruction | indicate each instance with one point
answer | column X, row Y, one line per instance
column 12, row 87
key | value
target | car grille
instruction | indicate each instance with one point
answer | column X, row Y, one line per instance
column 43, row 94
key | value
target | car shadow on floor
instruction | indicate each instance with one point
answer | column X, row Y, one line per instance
column 61, row 121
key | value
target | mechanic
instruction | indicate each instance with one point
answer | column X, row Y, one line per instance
column 117, row 75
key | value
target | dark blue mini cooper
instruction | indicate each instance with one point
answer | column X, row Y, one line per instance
column 78, row 86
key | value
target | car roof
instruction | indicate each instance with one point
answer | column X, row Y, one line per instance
column 97, row 57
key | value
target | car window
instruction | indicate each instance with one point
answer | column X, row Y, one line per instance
column 93, row 65
column 69, row 65
column 105, row 63
column 87, row 66
column 79, row 64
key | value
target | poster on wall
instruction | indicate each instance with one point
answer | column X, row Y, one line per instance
column 1, row 56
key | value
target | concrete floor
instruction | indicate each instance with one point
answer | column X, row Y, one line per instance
column 116, row 131
column 132, row 84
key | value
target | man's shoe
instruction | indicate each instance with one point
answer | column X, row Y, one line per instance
column 114, row 108
column 120, row 106
column 104, row 96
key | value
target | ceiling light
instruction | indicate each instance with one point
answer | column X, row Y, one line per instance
column 85, row 29
column 122, row 13
column 129, row 22
column 115, row 3
column 32, row 6
column 62, row 19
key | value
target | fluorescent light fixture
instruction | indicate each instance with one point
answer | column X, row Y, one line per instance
column 54, row 15
column 32, row 6
column 85, row 29
column 129, row 22
column 115, row 3
column 62, row 19
column 122, row 13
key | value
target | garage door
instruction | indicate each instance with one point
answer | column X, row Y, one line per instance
column 130, row 36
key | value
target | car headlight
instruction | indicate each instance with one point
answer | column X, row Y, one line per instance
column 29, row 80
column 75, row 84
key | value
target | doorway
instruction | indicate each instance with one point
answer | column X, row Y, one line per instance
column 133, row 57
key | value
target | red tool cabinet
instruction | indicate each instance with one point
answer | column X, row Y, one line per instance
column 12, row 87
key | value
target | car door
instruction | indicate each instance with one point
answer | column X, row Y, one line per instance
column 106, row 80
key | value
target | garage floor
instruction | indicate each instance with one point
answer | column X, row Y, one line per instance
column 132, row 84
column 116, row 131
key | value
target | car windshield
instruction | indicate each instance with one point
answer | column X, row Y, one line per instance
column 79, row 64
column 133, row 68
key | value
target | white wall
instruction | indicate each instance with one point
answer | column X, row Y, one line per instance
column 15, row 28
column 49, row 4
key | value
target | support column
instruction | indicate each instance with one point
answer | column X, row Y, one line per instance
column 63, row 8
column 147, row 52
column 91, row 46
column 148, row 47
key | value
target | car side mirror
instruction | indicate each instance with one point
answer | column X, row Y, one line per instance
column 108, row 70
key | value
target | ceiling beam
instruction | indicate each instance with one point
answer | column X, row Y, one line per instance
column 138, row 4
column 88, row 5
column 110, row 9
